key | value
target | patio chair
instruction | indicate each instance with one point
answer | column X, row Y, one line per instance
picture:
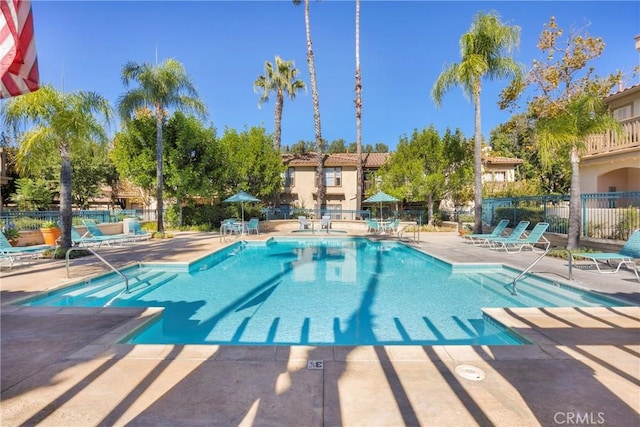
column 304, row 223
column 253, row 226
column 373, row 226
column 479, row 238
column 95, row 231
column 535, row 237
column 626, row 255
column 226, row 226
column 392, row 227
column 516, row 233
column 325, row 222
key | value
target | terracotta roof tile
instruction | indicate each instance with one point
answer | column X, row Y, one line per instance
column 370, row 160
column 502, row 160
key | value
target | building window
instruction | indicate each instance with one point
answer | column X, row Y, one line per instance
column 289, row 177
column 623, row 113
column 500, row 176
column 333, row 177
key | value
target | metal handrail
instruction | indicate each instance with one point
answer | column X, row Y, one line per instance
column 526, row 270
column 118, row 272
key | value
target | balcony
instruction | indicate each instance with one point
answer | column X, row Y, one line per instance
column 610, row 142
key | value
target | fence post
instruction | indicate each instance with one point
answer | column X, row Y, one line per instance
column 583, row 201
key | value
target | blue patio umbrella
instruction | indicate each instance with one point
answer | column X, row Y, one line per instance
column 381, row 197
column 241, row 197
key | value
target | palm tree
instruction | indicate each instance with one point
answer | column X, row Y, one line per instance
column 316, row 107
column 161, row 86
column 61, row 122
column 358, row 114
column 584, row 115
column 482, row 56
column 280, row 79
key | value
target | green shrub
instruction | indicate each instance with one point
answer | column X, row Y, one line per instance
column 466, row 218
column 515, row 215
column 206, row 216
column 629, row 220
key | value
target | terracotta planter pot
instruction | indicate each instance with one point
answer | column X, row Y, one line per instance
column 50, row 235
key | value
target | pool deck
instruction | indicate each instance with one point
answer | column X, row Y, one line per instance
column 61, row 366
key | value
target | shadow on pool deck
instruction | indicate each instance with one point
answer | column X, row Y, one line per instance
column 60, row 366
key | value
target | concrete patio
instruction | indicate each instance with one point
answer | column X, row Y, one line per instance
column 63, row 367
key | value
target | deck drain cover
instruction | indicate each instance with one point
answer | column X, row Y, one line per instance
column 470, row 372
column 315, row 364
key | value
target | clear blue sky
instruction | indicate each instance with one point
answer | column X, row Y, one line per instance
column 223, row 46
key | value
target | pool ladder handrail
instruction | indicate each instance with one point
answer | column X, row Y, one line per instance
column 526, row 270
column 118, row 272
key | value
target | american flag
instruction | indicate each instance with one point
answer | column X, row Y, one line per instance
column 18, row 61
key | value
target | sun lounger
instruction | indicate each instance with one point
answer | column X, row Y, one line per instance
column 11, row 254
column 95, row 231
column 518, row 244
column 479, row 239
column 629, row 251
column 136, row 232
column 516, row 233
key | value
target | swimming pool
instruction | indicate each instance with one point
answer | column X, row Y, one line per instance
column 329, row 291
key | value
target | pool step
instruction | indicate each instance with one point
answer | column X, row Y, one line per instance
column 539, row 291
column 97, row 294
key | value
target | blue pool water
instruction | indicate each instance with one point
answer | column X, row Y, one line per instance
column 322, row 292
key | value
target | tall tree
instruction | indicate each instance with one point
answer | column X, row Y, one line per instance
column 251, row 163
column 359, row 178
column 58, row 122
column 337, row 146
column 192, row 160
column 484, row 54
column 568, row 106
column 316, row 108
column 162, row 86
column 427, row 168
column 134, row 152
column 515, row 138
column 280, row 79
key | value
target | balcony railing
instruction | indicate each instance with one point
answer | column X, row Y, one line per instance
column 610, row 141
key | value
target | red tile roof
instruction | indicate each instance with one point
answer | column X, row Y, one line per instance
column 369, row 160
column 502, row 160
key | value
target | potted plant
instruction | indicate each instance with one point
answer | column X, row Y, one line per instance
column 12, row 234
column 50, row 232
column 465, row 229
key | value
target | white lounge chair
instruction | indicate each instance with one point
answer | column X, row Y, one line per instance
column 304, row 223
column 325, row 223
